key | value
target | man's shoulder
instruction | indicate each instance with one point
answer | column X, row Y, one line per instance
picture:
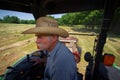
column 64, row 52
column 64, row 55
column 64, row 49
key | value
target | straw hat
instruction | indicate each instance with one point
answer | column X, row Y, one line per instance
column 47, row 26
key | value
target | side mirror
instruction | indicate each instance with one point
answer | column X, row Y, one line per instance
column 88, row 57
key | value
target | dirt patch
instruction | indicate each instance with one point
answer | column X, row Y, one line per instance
column 17, row 44
column 10, row 53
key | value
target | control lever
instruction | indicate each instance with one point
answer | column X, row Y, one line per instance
column 10, row 67
column 28, row 58
column 41, row 54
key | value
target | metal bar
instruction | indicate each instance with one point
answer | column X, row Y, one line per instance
column 109, row 9
column 37, row 10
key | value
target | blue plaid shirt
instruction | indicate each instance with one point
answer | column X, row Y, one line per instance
column 60, row 64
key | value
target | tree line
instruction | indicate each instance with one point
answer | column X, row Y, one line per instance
column 14, row 19
column 89, row 19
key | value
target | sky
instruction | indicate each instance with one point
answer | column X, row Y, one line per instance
column 21, row 15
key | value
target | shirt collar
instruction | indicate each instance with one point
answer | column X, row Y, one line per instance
column 52, row 53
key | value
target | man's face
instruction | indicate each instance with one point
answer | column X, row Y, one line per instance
column 43, row 42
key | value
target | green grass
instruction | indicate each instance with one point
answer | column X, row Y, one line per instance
column 10, row 33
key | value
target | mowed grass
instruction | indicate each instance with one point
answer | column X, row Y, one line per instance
column 11, row 33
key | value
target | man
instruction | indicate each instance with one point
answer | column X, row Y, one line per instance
column 60, row 61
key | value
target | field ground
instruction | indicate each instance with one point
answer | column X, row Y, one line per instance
column 14, row 45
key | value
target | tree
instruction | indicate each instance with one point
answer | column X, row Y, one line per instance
column 15, row 19
column 92, row 19
column 27, row 21
column 63, row 20
column 31, row 21
column 116, row 22
column 51, row 17
column 73, row 18
column 0, row 19
column 7, row 19
column 88, row 18
column 11, row 19
column 69, row 19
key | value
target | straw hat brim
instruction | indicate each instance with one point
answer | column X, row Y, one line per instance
column 47, row 30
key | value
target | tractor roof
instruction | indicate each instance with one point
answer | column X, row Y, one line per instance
column 52, row 6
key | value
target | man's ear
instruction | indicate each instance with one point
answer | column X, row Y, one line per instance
column 55, row 38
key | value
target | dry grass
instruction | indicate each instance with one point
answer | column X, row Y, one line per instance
column 10, row 33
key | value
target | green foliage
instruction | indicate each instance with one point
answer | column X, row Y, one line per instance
column 27, row 21
column 87, row 18
column 51, row 17
column 11, row 19
column 115, row 26
column 69, row 19
column 31, row 21
column 14, row 19
column 92, row 19
column 24, row 21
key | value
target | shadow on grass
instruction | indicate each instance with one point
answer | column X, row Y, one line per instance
column 83, row 29
column 112, row 35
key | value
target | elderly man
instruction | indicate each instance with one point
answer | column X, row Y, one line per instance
column 60, row 61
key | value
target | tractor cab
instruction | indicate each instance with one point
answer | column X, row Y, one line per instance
column 100, row 65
